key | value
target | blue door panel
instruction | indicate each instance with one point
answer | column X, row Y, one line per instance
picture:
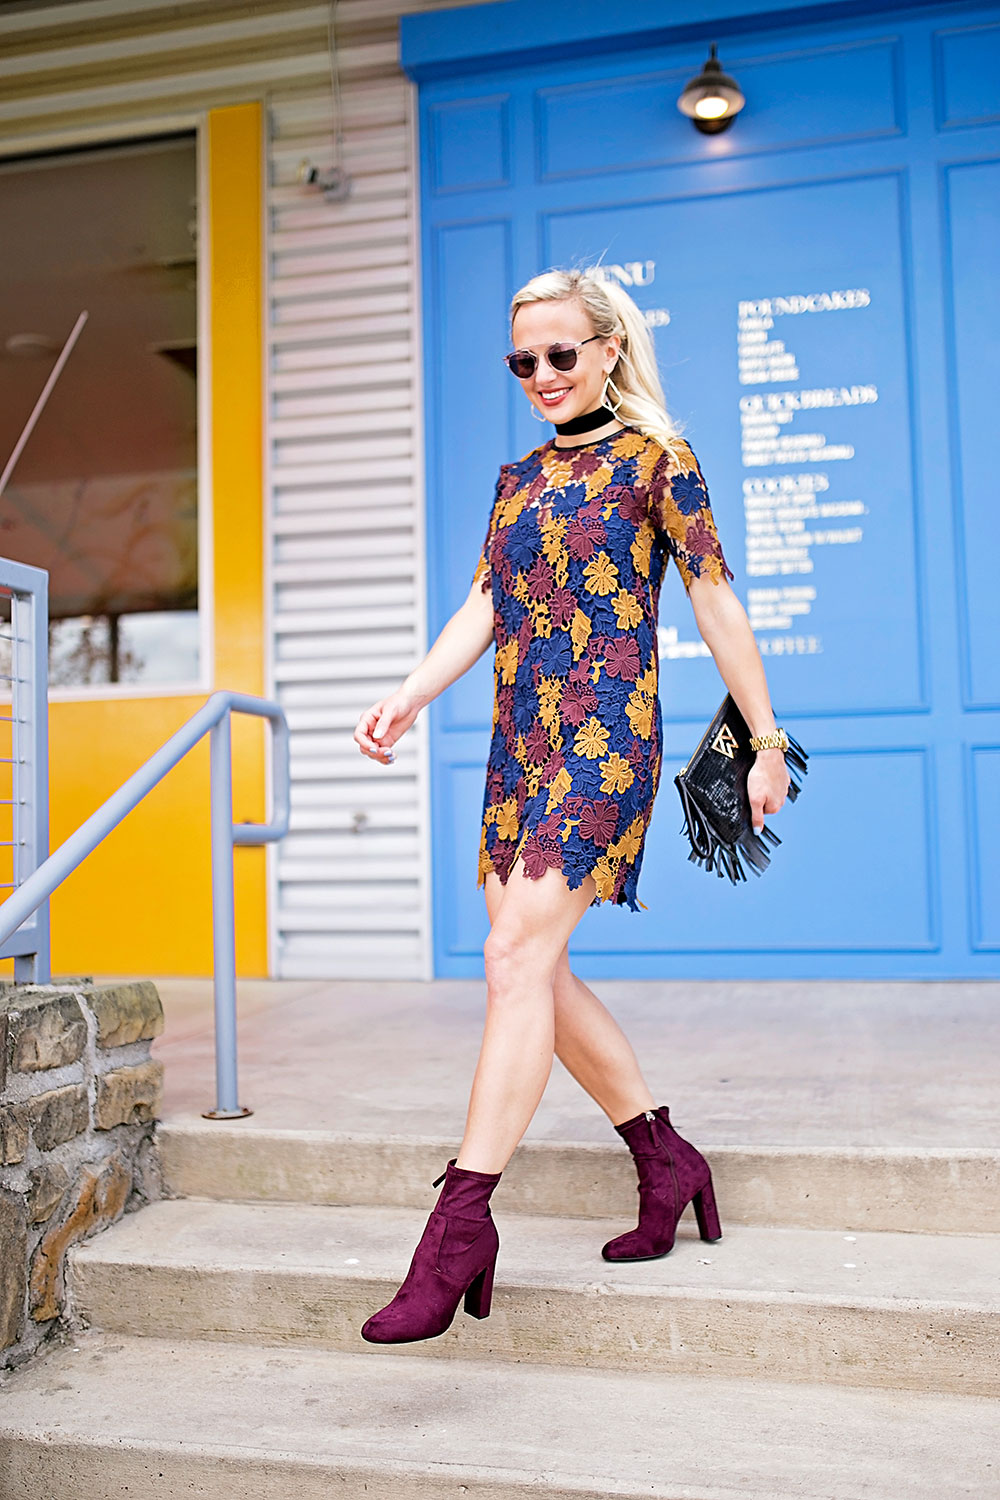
column 984, row 773
column 973, row 196
column 821, row 286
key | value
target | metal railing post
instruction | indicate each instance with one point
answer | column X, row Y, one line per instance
column 38, row 876
column 227, row 1105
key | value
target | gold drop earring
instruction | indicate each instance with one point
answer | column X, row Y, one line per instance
column 610, row 385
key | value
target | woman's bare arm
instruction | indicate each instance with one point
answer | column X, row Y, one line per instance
column 723, row 625
column 459, row 646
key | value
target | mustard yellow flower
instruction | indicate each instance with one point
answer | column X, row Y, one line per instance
column 628, row 846
column 509, row 509
column 604, row 873
column 616, row 774
column 598, row 480
column 601, row 575
column 562, row 781
column 628, row 444
column 507, row 819
column 591, row 739
column 627, row 608
column 558, row 471
column 641, row 549
column 506, row 661
column 579, row 633
column 640, row 714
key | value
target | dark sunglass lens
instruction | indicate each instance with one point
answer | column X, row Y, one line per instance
column 521, row 364
column 562, row 356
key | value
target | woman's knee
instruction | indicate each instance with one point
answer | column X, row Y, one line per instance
column 512, row 954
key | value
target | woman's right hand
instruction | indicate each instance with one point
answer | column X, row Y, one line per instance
column 380, row 726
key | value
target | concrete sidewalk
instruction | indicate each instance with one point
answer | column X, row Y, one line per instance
column 784, row 1063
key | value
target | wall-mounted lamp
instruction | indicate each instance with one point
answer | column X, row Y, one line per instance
column 713, row 99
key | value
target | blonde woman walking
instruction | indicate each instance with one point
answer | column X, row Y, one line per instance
column 567, row 589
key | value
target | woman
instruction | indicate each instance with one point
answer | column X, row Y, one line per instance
column 567, row 586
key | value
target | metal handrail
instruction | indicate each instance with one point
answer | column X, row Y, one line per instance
column 214, row 718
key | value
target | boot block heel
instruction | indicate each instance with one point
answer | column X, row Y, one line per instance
column 707, row 1214
column 480, row 1294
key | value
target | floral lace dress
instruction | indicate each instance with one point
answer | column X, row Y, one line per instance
column 574, row 554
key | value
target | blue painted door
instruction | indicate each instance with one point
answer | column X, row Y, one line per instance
column 821, row 281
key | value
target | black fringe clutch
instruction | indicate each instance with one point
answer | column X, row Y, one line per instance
column 713, row 792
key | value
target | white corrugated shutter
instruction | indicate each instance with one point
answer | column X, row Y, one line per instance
column 349, row 889
column 351, row 878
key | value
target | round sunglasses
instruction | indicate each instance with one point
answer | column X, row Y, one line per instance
column 523, row 363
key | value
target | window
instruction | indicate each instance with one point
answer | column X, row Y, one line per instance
column 105, row 494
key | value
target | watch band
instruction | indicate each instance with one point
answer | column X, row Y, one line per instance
column 776, row 740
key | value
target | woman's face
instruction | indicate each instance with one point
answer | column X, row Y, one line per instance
column 562, row 395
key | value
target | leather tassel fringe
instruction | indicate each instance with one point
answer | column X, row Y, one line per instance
column 712, row 852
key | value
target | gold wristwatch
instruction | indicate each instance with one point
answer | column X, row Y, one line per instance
column 776, row 740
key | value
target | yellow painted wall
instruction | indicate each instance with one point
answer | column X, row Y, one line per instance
column 142, row 902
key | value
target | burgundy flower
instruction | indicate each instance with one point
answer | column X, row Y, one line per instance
column 536, row 489
column 634, row 504
column 548, row 828
column 562, row 607
column 540, row 579
column 552, row 767
column 578, row 700
column 621, row 656
column 579, row 542
column 524, row 637
column 502, row 855
column 598, row 821
column 698, row 539
column 536, row 744
column 540, row 855
column 505, row 710
column 585, row 463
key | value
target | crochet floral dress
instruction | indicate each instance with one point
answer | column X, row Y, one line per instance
column 574, row 554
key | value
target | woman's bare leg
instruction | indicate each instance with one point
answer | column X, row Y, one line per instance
column 588, row 1040
column 591, row 1045
column 530, row 927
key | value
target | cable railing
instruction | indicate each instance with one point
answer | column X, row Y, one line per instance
column 24, row 928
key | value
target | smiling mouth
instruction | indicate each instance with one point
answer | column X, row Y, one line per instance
column 552, row 398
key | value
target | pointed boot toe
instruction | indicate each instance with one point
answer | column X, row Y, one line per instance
column 455, row 1258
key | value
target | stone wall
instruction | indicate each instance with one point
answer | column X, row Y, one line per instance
column 78, row 1097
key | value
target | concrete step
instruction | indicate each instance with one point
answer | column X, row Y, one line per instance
column 836, row 1187
column 873, row 1309
column 167, row 1420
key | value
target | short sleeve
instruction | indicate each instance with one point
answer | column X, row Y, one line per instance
column 681, row 511
column 483, row 574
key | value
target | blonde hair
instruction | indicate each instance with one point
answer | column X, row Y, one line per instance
column 612, row 311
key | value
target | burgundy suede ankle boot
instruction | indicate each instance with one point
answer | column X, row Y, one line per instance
column 671, row 1174
column 455, row 1257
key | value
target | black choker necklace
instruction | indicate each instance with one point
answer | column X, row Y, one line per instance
column 591, row 419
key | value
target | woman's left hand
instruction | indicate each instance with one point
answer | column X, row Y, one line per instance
column 767, row 785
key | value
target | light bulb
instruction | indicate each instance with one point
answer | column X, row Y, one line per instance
column 712, row 107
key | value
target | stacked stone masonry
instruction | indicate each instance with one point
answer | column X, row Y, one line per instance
column 79, row 1095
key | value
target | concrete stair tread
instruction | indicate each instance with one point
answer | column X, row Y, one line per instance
column 871, row 1269
column 939, row 1191
column 165, row 1419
